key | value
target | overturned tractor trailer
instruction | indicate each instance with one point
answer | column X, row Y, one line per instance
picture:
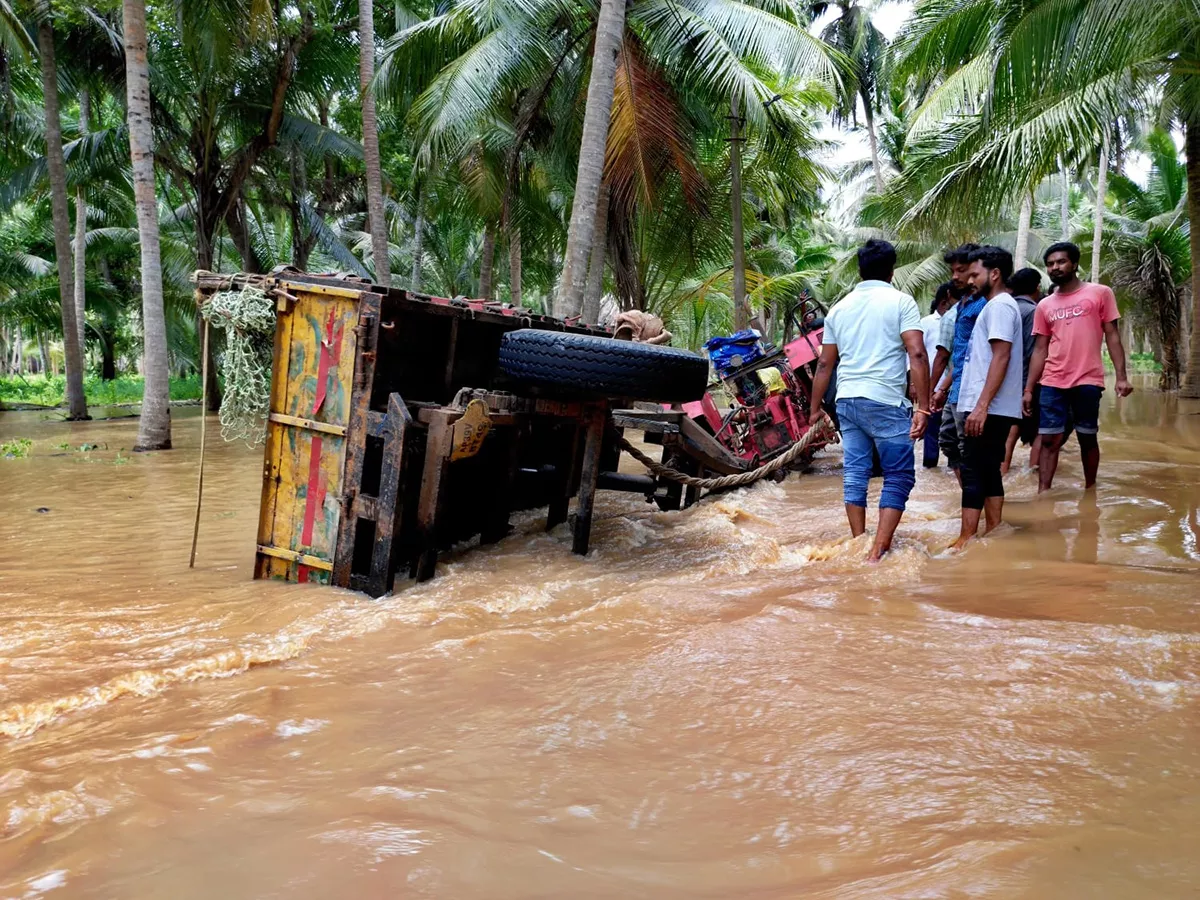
column 400, row 424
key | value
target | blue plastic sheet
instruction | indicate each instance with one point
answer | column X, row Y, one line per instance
column 734, row 351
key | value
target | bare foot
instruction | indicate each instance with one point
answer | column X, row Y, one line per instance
column 960, row 543
column 877, row 554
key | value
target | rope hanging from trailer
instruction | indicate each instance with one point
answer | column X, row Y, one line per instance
column 823, row 428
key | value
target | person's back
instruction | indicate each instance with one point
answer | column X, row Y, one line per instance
column 866, row 326
column 871, row 337
column 1028, row 308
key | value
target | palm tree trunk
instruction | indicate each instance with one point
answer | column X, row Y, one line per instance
column 366, row 74
column 44, row 352
column 487, row 260
column 610, row 30
column 514, row 265
column 741, row 312
column 1064, row 205
column 873, row 141
column 595, row 282
column 81, row 237
column 418, row 241
column 154, row 427
column 1101, row 193
column 76, row 402
column 1024, row 220
column 1191, row 387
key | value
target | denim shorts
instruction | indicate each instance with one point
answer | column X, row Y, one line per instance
column 870, row 428
column 1062, row 408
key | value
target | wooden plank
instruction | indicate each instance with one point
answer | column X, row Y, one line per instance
column 428, row 414
column 326, row 290
column 438, row 445
column 654, row 415
column 364, row 338
column 304, row 559
column 593, row 444
column 274, row 446
column 390, row 505
column 649, row 426
column 308, row 424
column 707, row 450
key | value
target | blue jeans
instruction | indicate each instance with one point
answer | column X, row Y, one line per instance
column 868, row 426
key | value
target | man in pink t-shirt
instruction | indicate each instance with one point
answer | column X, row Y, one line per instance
column 1070, row 325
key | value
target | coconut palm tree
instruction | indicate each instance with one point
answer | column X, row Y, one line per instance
column 461, row 69
column 610, row 32
column 154, row 427
column 1151, row 264
column 370, row 125
column 1014, row 85
column 867, row 77
column 76, row 402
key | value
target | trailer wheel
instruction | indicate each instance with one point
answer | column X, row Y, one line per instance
column 581, row 364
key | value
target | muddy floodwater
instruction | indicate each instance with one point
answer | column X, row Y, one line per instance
column 724, row 702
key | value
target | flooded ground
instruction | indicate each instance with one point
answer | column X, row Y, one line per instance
column 716, row 703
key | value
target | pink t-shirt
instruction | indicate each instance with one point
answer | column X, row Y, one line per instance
column 1075, row 323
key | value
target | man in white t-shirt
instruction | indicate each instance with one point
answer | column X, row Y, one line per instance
column 943, row 299
column 990, row 394
column 873, row 336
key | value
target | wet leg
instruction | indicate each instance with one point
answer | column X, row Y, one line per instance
column 857, row 516
column 899, row 476
column 1048, row 465
column 1009, row 446
column 993, row 513
column 970, row 525
column 1089, row 452
column 889, row 519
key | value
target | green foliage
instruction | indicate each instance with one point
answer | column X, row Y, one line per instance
column 17, row 448
column 258, row 120
column 40, row 390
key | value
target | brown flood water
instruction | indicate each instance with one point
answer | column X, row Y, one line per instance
column 721, row 702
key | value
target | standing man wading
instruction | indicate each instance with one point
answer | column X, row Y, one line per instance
column 1070, row 325
column 952, row 345
column 943, row 299
column 990, row 394
column 870, row 335
column 1025, row 286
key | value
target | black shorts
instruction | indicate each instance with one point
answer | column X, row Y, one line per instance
column 982, row 458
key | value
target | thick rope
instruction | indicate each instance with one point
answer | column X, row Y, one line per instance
column 741, row 479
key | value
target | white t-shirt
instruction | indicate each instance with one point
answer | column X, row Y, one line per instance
column 865, row 326
column 931, row 325
column 1000, row 320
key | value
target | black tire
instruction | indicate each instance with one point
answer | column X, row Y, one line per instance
column 580, row 364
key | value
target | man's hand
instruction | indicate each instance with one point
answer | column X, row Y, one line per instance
column 1027, row 404
column 919, row 420
column 816, row 416
column 976, row 420
column 1124, row 388
column 938, row 400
